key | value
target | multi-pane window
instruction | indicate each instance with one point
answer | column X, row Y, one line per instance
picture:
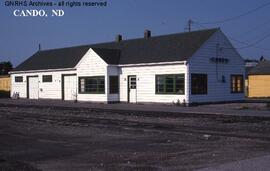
column 114, row 84
column 92, row 85
column 198, row 83
column 170, row 84
column 132, row 82
column 47, row 78
column 18, row 79
column 237, row 84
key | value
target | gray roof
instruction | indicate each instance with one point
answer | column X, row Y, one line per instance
column 53, row 59
column 110, row 56
column 263, row 68
column 166, row 48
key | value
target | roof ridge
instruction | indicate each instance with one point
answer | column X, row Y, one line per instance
column 62, row 48
column 158, row 36
column 101, row 48
column 134, row 39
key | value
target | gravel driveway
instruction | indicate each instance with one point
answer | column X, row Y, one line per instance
column 59, row 138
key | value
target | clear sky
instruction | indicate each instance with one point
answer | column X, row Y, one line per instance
column 20, row 36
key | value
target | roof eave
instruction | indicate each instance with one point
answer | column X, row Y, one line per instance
column 43, row 70
column 154, row 63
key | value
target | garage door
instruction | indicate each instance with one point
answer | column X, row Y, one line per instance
column 70, row 87
column 33, row 87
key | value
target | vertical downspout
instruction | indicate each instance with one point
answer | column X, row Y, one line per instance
column 217, row 56
column 107, row 84
column 187, row 83
column 38, row 86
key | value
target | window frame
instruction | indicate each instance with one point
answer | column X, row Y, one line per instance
column 205, row 92
column 116, row 86
column 165, row 84
column 46, row 81
column 241, row 84
column 18, row 81
column 92, row 92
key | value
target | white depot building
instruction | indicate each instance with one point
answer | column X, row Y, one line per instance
column 191, row 67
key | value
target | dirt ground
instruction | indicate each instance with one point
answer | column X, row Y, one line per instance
column 67, row 139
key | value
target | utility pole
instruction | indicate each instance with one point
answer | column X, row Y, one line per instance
column 189, row 25
column 190, row 22
column 39, row 47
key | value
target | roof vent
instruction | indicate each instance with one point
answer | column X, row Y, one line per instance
column 118, row 38
column 147, row 34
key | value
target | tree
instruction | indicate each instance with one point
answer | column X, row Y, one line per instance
column 5, row 67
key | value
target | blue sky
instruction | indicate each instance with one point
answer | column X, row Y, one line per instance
column 20, row 36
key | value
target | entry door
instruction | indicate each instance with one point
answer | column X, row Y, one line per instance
column 70, row 90
column 33, row 87
column 132, row 89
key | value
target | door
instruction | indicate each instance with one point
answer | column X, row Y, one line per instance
column 69, row 91
column 132, row 89
column 32, row 87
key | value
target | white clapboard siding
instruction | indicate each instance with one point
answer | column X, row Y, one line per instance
column 92, row 65
column 47, row 90
column 199, row 63
column 53, row 90
column 146, row 82
column 18, row 87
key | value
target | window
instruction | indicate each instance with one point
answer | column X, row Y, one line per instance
column 114, row 84
column 18, row 79
column 237, row 84
column 170, row 84
column 92, row 85
column 198, row 83
column 47, row 78
column 132, row 82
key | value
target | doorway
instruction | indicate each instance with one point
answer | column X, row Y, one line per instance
column 132, row 89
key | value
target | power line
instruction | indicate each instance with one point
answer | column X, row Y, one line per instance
column 238, row 16
column 254, row 28
column 247, row 45
column 256, row 42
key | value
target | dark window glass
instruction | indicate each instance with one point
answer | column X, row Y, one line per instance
column 170, row 84
column 114, row 84
column 18, row 79
column 132, row 83
column 180, row 84
column 47, row 78
column 237, row 84
column 198, row 83
column 160, row 83
column 92, row 84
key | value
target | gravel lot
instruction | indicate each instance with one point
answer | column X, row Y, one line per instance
column 60, row 138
